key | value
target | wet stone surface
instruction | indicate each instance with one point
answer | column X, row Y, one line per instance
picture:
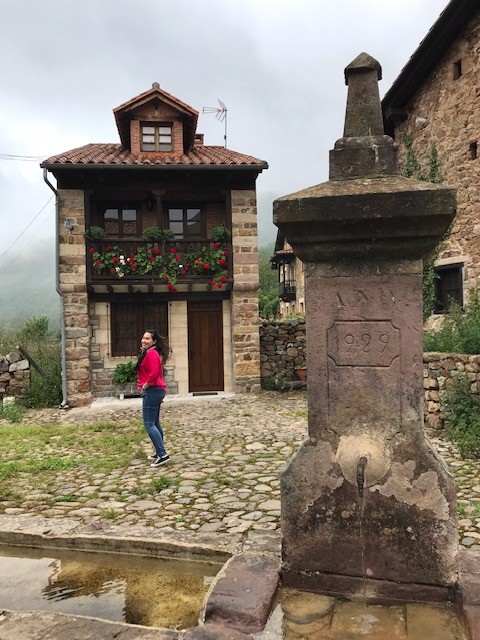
column 226, row 458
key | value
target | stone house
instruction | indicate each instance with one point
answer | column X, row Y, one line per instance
column 291, row 278
column 195, row 279
column 432, row 111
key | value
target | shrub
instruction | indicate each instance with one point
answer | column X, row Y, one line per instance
column 94, row 233
column 155, row 234
column 461, row 412
column 460, row 330
column 221, row 234
column 125, row 373
column 11, row 412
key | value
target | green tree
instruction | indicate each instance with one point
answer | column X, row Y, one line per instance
column 268, row 300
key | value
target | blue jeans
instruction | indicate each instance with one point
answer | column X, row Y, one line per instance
column 151, row 402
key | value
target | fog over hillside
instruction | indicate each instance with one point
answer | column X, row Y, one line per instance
column 27, row 285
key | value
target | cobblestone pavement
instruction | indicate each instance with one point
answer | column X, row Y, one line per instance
column 227, row 454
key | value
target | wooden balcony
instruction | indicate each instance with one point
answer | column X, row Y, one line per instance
column 170, row 266
column 287, row 290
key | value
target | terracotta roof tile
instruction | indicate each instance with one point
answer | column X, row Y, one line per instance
column 114, row 154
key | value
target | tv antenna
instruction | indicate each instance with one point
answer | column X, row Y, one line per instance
column 220, row 114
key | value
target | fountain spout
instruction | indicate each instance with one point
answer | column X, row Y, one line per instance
column 361, row 475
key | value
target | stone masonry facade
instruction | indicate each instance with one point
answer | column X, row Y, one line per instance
column 445, row 112
column 245, row 321
column 72, row 281
column 84, row 362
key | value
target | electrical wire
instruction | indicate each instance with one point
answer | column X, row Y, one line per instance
column 21, row 158
column 25, row 229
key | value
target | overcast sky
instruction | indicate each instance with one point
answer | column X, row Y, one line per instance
column 276, row 64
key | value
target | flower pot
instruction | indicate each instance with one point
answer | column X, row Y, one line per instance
column 301, row 373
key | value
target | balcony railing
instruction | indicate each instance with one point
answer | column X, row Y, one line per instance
column 171, row 263
column 287, row 290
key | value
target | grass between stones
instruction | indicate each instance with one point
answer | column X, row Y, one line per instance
column 33, row 456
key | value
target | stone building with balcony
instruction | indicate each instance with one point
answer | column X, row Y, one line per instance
column 158, row 231
column 432, row 111
column 291, row 278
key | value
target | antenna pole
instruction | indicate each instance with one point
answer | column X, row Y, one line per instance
column 225, row 135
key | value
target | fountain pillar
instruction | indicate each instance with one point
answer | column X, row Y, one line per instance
column 366, row 500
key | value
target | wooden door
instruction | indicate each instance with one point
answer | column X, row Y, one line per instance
column 205, row 346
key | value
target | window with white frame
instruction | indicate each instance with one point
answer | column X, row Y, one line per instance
column 157, row 137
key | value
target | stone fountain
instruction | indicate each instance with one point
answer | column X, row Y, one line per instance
column 368, row 507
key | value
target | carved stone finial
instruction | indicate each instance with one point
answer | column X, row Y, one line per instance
column 364, row 110
column 364, row 149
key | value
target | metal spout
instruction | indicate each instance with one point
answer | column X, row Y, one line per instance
column 361, row 475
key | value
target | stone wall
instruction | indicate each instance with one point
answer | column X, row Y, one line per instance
column 445, row 112
column 282, row 347
column 245, row 336
column 14, row 376
column 439, row 373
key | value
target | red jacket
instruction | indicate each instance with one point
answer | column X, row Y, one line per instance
column 150, row 370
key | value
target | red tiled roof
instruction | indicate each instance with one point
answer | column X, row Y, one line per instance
column 116, row 155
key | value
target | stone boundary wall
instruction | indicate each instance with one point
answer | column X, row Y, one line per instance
column 439, row 373
column 283, row 346
column 14, row 376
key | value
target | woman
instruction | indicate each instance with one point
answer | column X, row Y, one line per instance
column 155, row 352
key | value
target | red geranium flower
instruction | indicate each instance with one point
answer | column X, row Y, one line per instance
column 115, row 260
column 222, row 262
column 109, row 247
column 98, row 262
column 153, row 259
column 206, row 266
column 217, row 245
column 223, row 278
column 166, row 278
column 219, row 285
column 225, row 252
column 133, row 266
column 184, row 272
column 213, row 283
column 155, row 251
column 91, row 250
column 112, row 269
column 172, row 249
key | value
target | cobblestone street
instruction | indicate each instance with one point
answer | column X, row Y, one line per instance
column 227, row 454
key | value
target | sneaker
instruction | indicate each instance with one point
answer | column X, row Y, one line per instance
column 160, row 460
column 153, row 456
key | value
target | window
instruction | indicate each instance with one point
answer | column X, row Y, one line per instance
column 129, row 320
column 457, row 69
column 187, row 223
column 157, row 137
column 448, row 286
column 121, row 222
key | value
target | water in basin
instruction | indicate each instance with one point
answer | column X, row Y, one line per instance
column 300, row 615
column 124, row 588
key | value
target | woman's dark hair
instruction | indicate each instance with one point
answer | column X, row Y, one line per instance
column 161, row 345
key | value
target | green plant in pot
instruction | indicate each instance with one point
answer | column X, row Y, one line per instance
column 155, row 234
column 301, row 371
column 125, row 373
column 221, row 234
column 94, row 233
